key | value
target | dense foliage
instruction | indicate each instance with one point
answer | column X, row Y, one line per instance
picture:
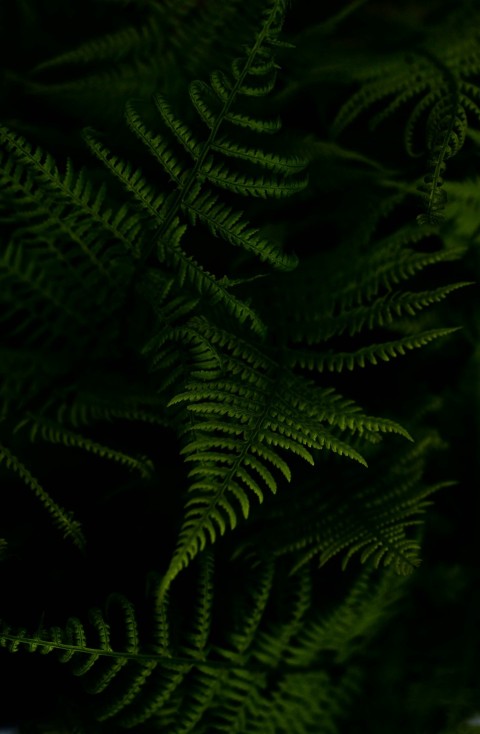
column 239, row 366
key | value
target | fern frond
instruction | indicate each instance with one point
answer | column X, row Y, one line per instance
column 68, row 200
column 383, row 79
column 189, row 180
column 199, row 700
column 136, row 683
column 198, row 635
column 369, row 600
column 446, row 129
column 241, row 694
column 70, row 644
column 162, row 349
column 56, row 433
column 269, row 126
column 217, row 473
column 393, row 260
column 64, row 521
column 127, row 671
column 159, row 690
column 151, row 200
column 253, row 610
column 443, row 93
column 287, row 165
column 381, row 312
column 334, row 361
column 366, row 293
column 63, row 222
column 155, row 317
column 272, row 645
column 225, row 222
column 200, row 204
column 238, row 428
column 206, row 284
column 378, row 529
column 301, row 703
column 246, row 185
column 87, row 408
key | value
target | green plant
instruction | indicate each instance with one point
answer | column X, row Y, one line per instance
column 203, row 315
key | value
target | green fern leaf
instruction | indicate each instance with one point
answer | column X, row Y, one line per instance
column 56, row 433
column 370, row 597
column 372, row 354
column 71, row 189
column 442, row 89
column 246, row 185
column 236, row 432
column 229, row 224
column 61, row 518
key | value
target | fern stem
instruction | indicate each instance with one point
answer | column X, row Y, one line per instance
column 206, row 148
